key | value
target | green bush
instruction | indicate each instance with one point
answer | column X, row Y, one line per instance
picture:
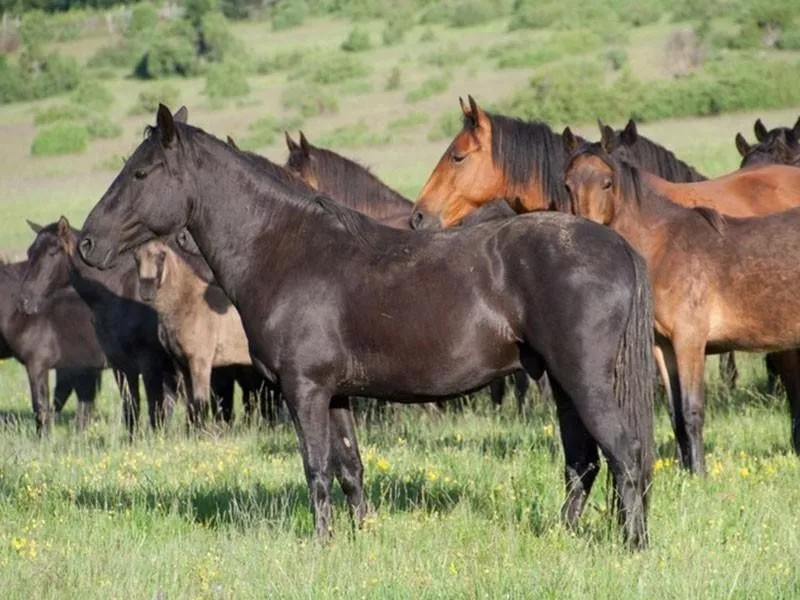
column 173, row 53
column 67, row 137
column 281, row 61
column 226, row 80
column 42, row 78
column 265, row 131
column 60, row 112
column 559, row 45
column 445, row 56
column 333, row 68
column 123, row 55
column 408, row 121
column 396, row 27
column 217, row 42
column 288, row 14
column 240, row 9
column 394, row 80
column 92, row 94
column 102, row 127
column 616, row 57
column 446, row 127
column 467, row 13
column 148, row 100
column 427, row 89
column 357, row 41
column 428, row 35
column 143, row 21
column 354, row 135
column 35, row 32
column 308, row 100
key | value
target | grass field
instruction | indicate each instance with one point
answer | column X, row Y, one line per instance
column 463, row 505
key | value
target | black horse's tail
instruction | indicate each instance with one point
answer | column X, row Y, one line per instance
column 635, row 370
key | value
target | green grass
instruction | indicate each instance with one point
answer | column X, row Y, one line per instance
column 461, row 506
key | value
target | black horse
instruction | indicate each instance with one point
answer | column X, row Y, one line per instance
column 61, row 337
column 352, row 307
column 126, row 328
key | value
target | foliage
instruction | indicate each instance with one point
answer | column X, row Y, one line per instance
column 282, row 61
column 446, row 127
column 170, row 54
column 92, row 94
column 217, row 42
column 240, row 9
column 616, row 57
column 394, row 80
column 358, row 40
column 265, row 131
column 467, row 13
column 123, row 55
column 102, row 127
column 34, row 79
column 408, row 121
column 143, row 21
column 561, row 44
column 428, row 35
column 432, row 86
column 309, row 100
column 352, row 136
column 288, row 13
column 64, row 137
column 396, row 27
column 445, row 56
column 148, row 100
column 226, row 80
column 60, row 112
column 331, row 68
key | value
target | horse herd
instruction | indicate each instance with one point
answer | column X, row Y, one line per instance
column 211, row 265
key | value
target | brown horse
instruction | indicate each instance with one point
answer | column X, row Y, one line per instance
column 198, row 325
column 778, row 146
column 719, row 283
column 499, row 157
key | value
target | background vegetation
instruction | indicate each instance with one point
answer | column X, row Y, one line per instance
column 466, row 505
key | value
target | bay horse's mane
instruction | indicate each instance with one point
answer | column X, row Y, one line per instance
column 528, row 149
column 279, row 183
column 354, row 185
column 632, row 185
column 657, row 159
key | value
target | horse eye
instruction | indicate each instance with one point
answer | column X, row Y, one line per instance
column 457, row 158
column 140, row 174
column 607, row 184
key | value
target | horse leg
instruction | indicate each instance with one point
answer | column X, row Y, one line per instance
column 65, row 382
column 522, row 384
column 348, row 468
column 40, row 399
column 86, row 389
column 153, row 378
column 497, row 389
column 728, row 372
column 690, row 356
column 770, row 362
column 222, row 382
column 198, row 400
column 309, row 406
column 131, row 401
column 786, row 365
column 582, row 462
column 667, row 364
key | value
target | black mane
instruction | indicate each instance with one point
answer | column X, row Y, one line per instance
column 527, row 150
column 656, row 159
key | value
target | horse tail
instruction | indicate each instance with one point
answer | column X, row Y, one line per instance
column 634, row 372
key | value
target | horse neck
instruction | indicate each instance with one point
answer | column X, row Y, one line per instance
column 181, row 287
column 10, row 280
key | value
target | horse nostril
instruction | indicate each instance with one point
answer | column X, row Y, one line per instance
column 416, row 219
column 85, row 247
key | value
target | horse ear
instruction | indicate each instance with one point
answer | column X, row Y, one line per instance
column 290, row 143
column 166, row 125
column 232, row 143
column 63, row 226
column 607, row 141
column 741, row 145
column 181, row 115
column 630, row 134
column 304, row 145
column 570, row 143
column 65, row 235
column 760, row 130
column 34, row 226
column 478, row 115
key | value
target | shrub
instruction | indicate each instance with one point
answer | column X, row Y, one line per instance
column 467, row 13
column 57, row 74
column 446, row 127
column 217, row 42
column 445, row 56
column 395, row 30
column 354, row 135
column 617, row 58
column 92, row 94
column 281, row 61
column 429, row 35
column 288, row 14
column 226, row 80
column 60, row 112
column 67, row 137
column 123, row 55
column 173, row 53
column 148, row 100
column 561, row 44
column 240, row 9
column 102, row 127
column 308, row 100
column 394, row 80
column 427, row 89
column 357, row 41
column 408, row 121
column 265, row 131
column 333, row 68
column 143, row 21
column 34, row 32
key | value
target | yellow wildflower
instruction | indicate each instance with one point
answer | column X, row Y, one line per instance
column 382, row 464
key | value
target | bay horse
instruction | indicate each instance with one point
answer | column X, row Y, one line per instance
column 351, row 307
column 719, row 283
column 59, row 336
column 199, row 326
column 646, row 154
column 126, row 328
column 494, row 156
column 355, row 187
